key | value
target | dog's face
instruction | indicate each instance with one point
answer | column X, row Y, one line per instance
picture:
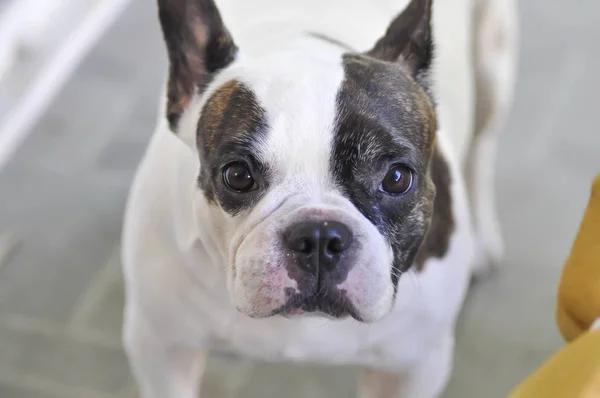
column 314, row 164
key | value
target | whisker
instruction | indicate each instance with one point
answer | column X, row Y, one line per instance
column 415, row 279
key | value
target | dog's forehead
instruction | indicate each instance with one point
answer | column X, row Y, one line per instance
column 297, row 91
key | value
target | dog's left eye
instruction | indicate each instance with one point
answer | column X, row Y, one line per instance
column 238, row 178
column 397, row 181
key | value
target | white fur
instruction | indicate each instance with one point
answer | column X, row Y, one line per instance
column 495, row 51
column 176, row 246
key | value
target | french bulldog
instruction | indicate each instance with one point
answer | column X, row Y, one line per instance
column 318, row 189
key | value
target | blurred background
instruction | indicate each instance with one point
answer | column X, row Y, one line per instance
column 79, row 86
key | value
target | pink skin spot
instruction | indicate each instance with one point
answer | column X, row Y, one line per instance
column 271, row 292
column 295, row 312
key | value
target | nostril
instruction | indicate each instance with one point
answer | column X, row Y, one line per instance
column 335, row 245
column 301, row 241
column 318, row 243
column 304, row 246
column 299, row 245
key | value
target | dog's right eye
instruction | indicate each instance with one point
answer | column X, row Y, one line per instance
column 397, row 181
column 238, row 178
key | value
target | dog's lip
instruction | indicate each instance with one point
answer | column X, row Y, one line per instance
column 314, row 304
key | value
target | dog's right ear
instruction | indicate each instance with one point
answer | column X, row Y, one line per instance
column 408, row 40
column 198, row 45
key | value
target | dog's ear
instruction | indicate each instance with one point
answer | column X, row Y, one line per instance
column 198, row 45
column 408, row 39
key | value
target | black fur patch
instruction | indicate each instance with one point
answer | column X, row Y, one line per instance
column 442, row 223
column 385, row 117
column 231, row 124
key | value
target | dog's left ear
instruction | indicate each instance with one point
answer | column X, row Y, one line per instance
column 199, row 45
column 408, row 39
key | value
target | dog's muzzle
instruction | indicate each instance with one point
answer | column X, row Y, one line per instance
column 318, row 260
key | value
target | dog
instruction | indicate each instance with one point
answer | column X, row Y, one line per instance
column 318, row 188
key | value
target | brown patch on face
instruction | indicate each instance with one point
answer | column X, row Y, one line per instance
column 426, row 111
column 215, row 111
column 231, row 112
column 437, row 239
column 232, row 124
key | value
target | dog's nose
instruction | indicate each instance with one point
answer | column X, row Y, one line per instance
column 318, row 244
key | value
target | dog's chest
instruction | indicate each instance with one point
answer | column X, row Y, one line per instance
column 317, row 340
column 291, row 340
column 397, row 341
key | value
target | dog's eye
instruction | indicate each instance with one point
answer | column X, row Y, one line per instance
column 397, row 181
column 238, row 178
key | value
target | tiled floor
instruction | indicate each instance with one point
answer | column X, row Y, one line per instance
column 62, row 198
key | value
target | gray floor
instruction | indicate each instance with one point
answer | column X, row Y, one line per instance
column 61, row 200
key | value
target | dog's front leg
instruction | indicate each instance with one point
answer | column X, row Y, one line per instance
column 162, row 370
column 426, row 379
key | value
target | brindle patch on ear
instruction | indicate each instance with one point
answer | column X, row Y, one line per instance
column 437, row 239
column 198, row 45
column 408, row 39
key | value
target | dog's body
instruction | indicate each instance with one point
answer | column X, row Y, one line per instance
column 184, row 298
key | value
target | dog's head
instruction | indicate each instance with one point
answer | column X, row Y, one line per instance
column 314, row 162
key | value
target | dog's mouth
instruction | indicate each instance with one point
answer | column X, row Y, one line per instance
column 334, row 305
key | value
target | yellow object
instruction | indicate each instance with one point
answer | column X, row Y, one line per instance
column 574, row 372
column 579, row 290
